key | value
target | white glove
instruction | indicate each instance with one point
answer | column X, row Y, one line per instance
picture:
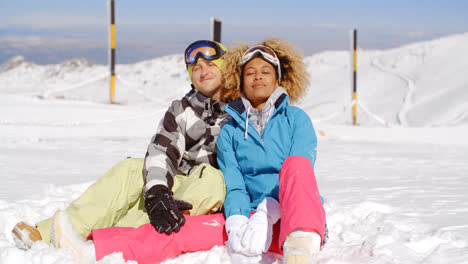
column 259, row 231
column 240, row 258
column 235, row 228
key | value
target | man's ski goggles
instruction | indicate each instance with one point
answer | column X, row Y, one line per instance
column 266, row 53
column 209, row 50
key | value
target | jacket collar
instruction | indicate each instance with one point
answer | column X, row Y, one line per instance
column 201, row 103
column 278, row 98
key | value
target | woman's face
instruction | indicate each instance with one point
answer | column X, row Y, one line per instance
column 259, row 81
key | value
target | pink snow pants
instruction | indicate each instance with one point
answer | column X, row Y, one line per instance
column 301, row 208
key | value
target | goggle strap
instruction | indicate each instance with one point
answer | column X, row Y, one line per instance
column 190, row 60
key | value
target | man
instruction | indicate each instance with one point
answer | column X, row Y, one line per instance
column 179, row 171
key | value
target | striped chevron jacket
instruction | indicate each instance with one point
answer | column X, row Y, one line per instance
column 186, row 137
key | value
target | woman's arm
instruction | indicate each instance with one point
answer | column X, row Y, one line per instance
column 237, row 200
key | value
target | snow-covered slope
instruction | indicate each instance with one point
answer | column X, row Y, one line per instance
column 422, row 84
column 394, row 193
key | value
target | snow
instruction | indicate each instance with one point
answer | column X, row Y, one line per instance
column 394, row 186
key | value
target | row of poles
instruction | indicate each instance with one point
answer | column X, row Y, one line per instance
column 216, row 36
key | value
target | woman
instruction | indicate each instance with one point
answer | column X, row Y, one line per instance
column 266, row 153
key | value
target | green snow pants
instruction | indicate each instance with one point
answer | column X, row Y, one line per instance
column 116, row 199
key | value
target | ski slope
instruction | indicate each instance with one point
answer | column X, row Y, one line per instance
column 394, row 186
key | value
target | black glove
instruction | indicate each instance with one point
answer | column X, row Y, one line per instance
column 163, row 209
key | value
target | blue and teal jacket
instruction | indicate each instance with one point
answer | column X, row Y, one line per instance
column 250, row 161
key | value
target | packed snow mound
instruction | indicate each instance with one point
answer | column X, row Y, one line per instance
column 398, row 86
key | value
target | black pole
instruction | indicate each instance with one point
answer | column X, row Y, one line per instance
column 216, row 29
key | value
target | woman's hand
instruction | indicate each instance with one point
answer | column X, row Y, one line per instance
column 235, row 228
column 249, row 238
column 259, row 231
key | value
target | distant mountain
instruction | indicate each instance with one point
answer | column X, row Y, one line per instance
column 420, row 84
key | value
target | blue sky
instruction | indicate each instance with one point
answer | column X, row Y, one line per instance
column 50, row 31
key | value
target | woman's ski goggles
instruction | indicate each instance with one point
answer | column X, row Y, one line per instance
column 266, row 53
column 209, row 50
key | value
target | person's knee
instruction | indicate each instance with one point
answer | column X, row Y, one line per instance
column 296, row 167
column 125, row 171
column 213, row 175
column 297, row 162
column 205, row 189
column 210, row 171
column 131, row 163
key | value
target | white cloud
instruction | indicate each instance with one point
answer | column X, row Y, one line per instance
column 415, row 34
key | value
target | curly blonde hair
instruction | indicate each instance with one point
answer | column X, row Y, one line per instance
column 294, row 75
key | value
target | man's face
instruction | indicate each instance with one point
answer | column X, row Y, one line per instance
column 207, row 79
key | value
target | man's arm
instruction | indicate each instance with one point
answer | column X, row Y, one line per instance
column 161, row 163
column 166, row 149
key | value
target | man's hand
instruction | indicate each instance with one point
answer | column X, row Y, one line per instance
column 164, row 210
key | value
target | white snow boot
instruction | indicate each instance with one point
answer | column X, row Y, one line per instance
column 25, row 235
column 301, row 247
column 64, row 235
